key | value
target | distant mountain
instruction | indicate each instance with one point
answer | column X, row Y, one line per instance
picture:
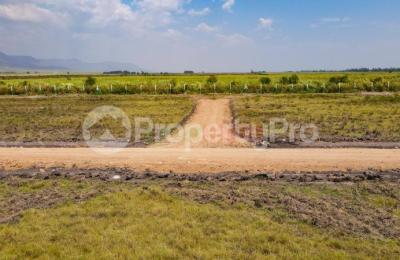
column 10, row 62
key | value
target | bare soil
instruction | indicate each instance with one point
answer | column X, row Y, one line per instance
column 214, row 120
column 204, row 160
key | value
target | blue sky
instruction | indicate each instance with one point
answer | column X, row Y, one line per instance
column 208, row 35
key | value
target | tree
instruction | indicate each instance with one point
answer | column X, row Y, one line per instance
column 339, row 79
column 284, row 80
column 265, row 80
column 294, row 79
column 212, row 79
column 90, row 81
column 173, row 83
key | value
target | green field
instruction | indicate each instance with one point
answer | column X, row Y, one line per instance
column 60, row 119
column 339, row 117
column 62, row 218
column 196, row 84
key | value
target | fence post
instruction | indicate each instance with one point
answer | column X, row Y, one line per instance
column 141, row 88
column 12, row 90
column 340, row 84
column 261, row 88
column 111, row 88
column 55, row 89
column 26, row 90
column 170, row 88
column 40, row 89
column 155, row 89
column 126, row 89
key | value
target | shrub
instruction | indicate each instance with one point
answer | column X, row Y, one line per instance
column 212, row 80
column 293, row 79
column 90, row 81
column 339, row 79
column 377, row 80
column 265, row 80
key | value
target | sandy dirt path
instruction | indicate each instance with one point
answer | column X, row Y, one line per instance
column 210, row 126
column 204, row 160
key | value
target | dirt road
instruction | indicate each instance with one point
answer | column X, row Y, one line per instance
column 210, row 126
column 204, row 160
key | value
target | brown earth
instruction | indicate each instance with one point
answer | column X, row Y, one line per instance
column 210, row 126
column 204, row 160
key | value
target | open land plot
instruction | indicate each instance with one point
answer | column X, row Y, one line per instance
column 76, row 213
column 60, row 119
column 338, row 117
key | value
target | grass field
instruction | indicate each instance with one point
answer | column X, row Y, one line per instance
column 339, row 117
column 196, row 84
column 160, row 219
column 60, row 118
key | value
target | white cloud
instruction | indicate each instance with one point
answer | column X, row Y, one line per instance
column 161, row 5
column 26, row 12
column 265, row 22
column 203, row 27
column 106, row 12
column 202, row 12
column 228, row 4
column 172, row 34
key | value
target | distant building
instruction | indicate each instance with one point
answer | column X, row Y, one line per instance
column 188, row 72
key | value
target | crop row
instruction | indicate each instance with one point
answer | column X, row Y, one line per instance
column 196, row 88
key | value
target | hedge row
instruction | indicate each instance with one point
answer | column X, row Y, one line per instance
column 194, row 89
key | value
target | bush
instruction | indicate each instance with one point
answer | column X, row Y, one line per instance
column 212, row 80
column 294, row 79
column 265, row 80
column 90, row 81
column 377, row 80
column 339, row 79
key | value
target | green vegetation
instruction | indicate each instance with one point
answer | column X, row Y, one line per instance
column 90, row 81
column 159, row 219
column 265, row 80
column 200, row 83
column 339, row 117
column 50, row 119
column 293, row 79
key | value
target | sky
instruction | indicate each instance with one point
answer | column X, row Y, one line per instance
column 207, row 35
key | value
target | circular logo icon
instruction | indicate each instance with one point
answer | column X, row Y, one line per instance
column 107, row 129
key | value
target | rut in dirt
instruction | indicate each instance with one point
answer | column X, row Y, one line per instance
column 210, row 126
